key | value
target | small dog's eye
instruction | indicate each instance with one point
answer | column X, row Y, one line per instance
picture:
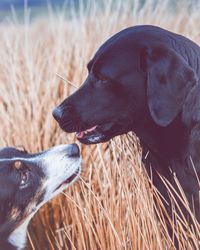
column 25, row 175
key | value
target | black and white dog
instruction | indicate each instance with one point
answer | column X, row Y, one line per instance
column 27, row 181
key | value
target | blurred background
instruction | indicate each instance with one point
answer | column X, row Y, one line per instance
column 38, row 7
column 41, row 8
column 7, row 4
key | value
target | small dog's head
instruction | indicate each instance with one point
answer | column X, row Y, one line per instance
column 27, row 181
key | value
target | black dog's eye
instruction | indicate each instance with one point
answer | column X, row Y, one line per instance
column 25, row 176
column 103, row 82
column 102, row 78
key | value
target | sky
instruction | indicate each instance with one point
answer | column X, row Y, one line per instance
column 6, row 4
column 38, row 7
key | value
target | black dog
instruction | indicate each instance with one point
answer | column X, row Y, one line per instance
column 143, row 79
column 28, row 181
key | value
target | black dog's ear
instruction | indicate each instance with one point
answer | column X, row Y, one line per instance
column 169, row 80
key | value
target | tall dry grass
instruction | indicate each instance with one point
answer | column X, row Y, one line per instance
column 112, row 205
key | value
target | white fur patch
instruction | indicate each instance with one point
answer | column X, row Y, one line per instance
column 18, row 236
column 58, row 169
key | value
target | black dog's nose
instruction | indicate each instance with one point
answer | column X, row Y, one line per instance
column 73, row 150
column 57, row 114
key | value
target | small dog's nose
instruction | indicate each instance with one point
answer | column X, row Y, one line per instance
column 73, row 150
column 57, row 114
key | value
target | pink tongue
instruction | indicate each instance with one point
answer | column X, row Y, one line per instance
column 91, row 129
column 82, row 133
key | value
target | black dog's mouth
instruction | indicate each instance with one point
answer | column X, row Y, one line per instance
column 97, row 133
column 86, row 132
column 91, row 135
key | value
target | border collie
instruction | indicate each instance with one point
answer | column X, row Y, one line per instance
column 27, row 181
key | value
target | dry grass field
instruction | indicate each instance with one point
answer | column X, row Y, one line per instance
column 112, row 205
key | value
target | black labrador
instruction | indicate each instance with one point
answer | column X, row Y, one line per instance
column 143, row 79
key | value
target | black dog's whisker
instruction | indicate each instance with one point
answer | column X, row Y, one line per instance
column 66, row 80
column 68, row 124
column 78, row 127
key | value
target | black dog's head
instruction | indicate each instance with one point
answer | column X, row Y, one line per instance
column 27, row 181
column 132, row 77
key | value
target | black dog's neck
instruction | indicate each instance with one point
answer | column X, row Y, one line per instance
column 162, row 143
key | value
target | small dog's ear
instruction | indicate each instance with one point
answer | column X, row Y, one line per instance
column 21, row 149
column 169, row 80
